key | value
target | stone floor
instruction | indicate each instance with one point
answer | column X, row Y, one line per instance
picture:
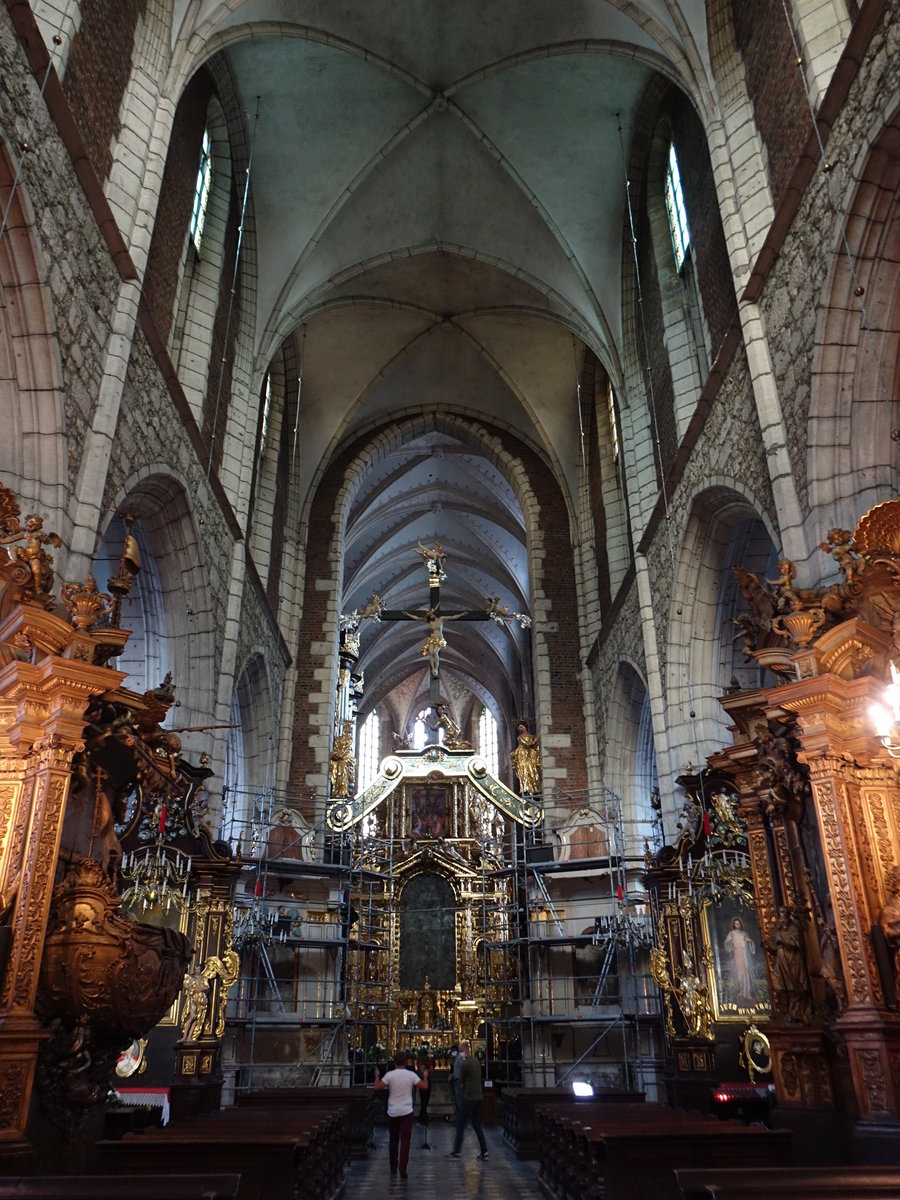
column 432, row 1173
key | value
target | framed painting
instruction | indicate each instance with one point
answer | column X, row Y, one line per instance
column 737, row 976
column 428, row 816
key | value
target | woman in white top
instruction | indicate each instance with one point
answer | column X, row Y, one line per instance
column 401, row 1086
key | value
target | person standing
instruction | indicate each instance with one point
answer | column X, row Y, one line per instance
column 472, row 1100
column 455, row 1069
column 401, row 1085
column 425, row 1066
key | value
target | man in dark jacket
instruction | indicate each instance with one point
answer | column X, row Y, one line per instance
column 470, row 1086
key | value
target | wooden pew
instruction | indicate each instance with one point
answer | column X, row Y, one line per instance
column 519, row 1112
column 359, row 1123
column 622, row 1153
column 275, row 1152
column 788, row 1183
column 115, row 1187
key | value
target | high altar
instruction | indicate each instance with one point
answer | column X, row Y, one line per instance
column 433, row 914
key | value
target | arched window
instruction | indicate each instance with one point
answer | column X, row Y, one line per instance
column 613, row 421
column 678, row 222
column 199, row 297
column 264, row 419
column 487, row 741
column 420, row 731
column 201, row 191
column 685, row 334
column 368, row 755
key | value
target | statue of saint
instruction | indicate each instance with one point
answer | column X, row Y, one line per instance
column 789, row 973
column 341, row 765
column 196, row 1002
column 693, row 1000
column 890, row 922
column 526, row 760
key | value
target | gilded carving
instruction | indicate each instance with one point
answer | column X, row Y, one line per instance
column 847, row 926
column 790, row 1078
column 873, row 1079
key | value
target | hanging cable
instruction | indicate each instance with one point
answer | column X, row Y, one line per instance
column 297, row 409
column 25, row 144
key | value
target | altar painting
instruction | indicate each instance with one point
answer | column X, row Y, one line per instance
column 428, row 812
column 737, row 974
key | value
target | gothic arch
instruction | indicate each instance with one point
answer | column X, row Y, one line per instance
column 34, row 459
column 630, row 756
column 340, row 484
column 725, row 529
column 179, row 620
column 251, row 748
column 852, row 460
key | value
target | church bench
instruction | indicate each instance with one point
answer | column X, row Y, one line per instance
column 791, row 1183
column 566, row 1154
column 519, row 1112
column 304, row 1161
column 632, row 1156
column 134, row 1187
column 359, row 1124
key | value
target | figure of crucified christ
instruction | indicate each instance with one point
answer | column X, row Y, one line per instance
column 435, row 641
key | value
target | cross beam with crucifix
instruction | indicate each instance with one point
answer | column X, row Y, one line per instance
column 433, row 616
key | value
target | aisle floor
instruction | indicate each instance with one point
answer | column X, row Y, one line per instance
column 432, row 1173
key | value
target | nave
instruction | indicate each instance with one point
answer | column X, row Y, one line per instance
column 432, row 1173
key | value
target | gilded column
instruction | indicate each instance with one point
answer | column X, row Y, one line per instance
column 43, row 706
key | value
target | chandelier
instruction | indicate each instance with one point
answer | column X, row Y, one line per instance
column 157, row 875
column 623, row 927
column 885, row 717
column 715, row 875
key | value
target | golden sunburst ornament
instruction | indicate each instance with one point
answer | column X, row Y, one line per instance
column 878, row 530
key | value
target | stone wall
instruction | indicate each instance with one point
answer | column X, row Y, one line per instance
column 793, row 291
column 80, row 275
column 98, row 70
column 775, row 85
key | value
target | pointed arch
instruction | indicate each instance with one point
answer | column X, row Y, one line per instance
column 34, row 459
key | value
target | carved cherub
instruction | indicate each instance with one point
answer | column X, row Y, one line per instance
column 33, row 554
column 840, row 546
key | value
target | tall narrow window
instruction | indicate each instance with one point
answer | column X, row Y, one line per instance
column 487, row 741
column 201, row 192
column 613, row 421
column 678, row 223
column 264, row 422
column 368, row 750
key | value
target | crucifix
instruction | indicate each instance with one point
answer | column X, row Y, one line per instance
column 434, row 616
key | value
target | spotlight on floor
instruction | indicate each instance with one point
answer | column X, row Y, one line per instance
column 582, row 1089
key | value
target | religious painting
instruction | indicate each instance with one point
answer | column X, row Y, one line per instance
column 428, row 812
column 737, row 977
column 427, row 933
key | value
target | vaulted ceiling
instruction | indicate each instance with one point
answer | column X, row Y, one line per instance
column 437, row 207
